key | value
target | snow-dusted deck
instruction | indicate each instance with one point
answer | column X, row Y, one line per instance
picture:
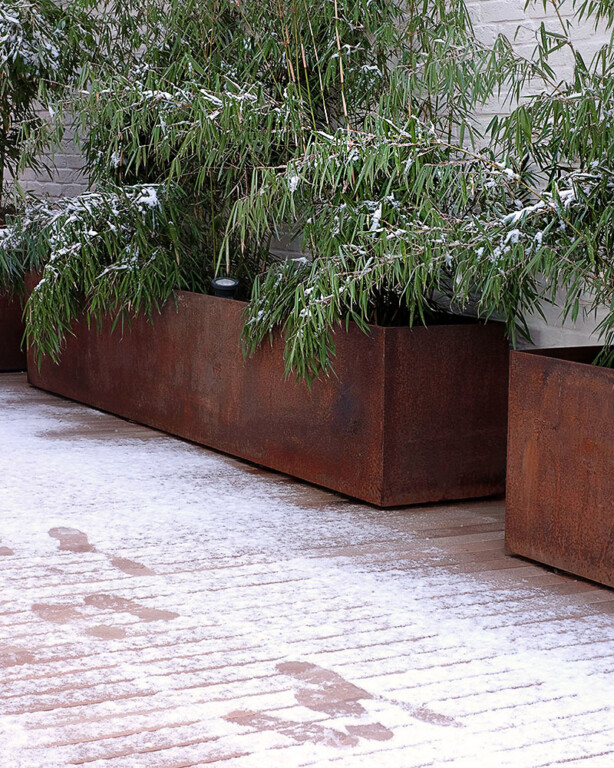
column 163, row 606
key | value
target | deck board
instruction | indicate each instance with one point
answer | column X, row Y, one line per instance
column 165, row 606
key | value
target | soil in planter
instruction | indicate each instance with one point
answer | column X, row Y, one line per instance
column 388, row 311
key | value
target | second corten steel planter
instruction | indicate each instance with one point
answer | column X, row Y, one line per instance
column 12, row 357
column 560, row 480
column 411, row 416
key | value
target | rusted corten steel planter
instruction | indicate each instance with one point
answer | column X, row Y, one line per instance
column 412, row 415
column 560, row 478
column 12, row 358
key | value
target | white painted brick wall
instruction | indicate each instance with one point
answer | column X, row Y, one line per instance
column 67, row 178
column 491, row 17
column 508, row 17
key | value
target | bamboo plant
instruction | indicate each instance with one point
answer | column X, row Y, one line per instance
column 352, row 123
column 41, row 45
column 565, row 134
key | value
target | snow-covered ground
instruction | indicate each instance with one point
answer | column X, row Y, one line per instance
column 163, row 606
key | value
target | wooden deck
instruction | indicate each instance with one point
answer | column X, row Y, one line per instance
column 163, row 606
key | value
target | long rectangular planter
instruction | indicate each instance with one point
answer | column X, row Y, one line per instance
column 12, row 357
column 560, row 479
column 411, row 416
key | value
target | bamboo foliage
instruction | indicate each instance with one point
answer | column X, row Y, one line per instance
column 42, row 43
column 351, row 123
column 566, row 134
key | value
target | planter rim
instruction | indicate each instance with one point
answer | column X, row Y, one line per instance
column 564, row 356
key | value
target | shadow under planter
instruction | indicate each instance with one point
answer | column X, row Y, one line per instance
column 12, row 357
column 411, row 416
column 560, row 475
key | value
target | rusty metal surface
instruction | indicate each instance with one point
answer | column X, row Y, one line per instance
column 12, row 358
column 352, row 433
column 446, row 412
column 560, row 486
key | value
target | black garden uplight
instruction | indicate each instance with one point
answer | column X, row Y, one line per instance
column 225, row 287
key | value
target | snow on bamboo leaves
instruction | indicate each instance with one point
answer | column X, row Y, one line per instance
column 352, row 124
